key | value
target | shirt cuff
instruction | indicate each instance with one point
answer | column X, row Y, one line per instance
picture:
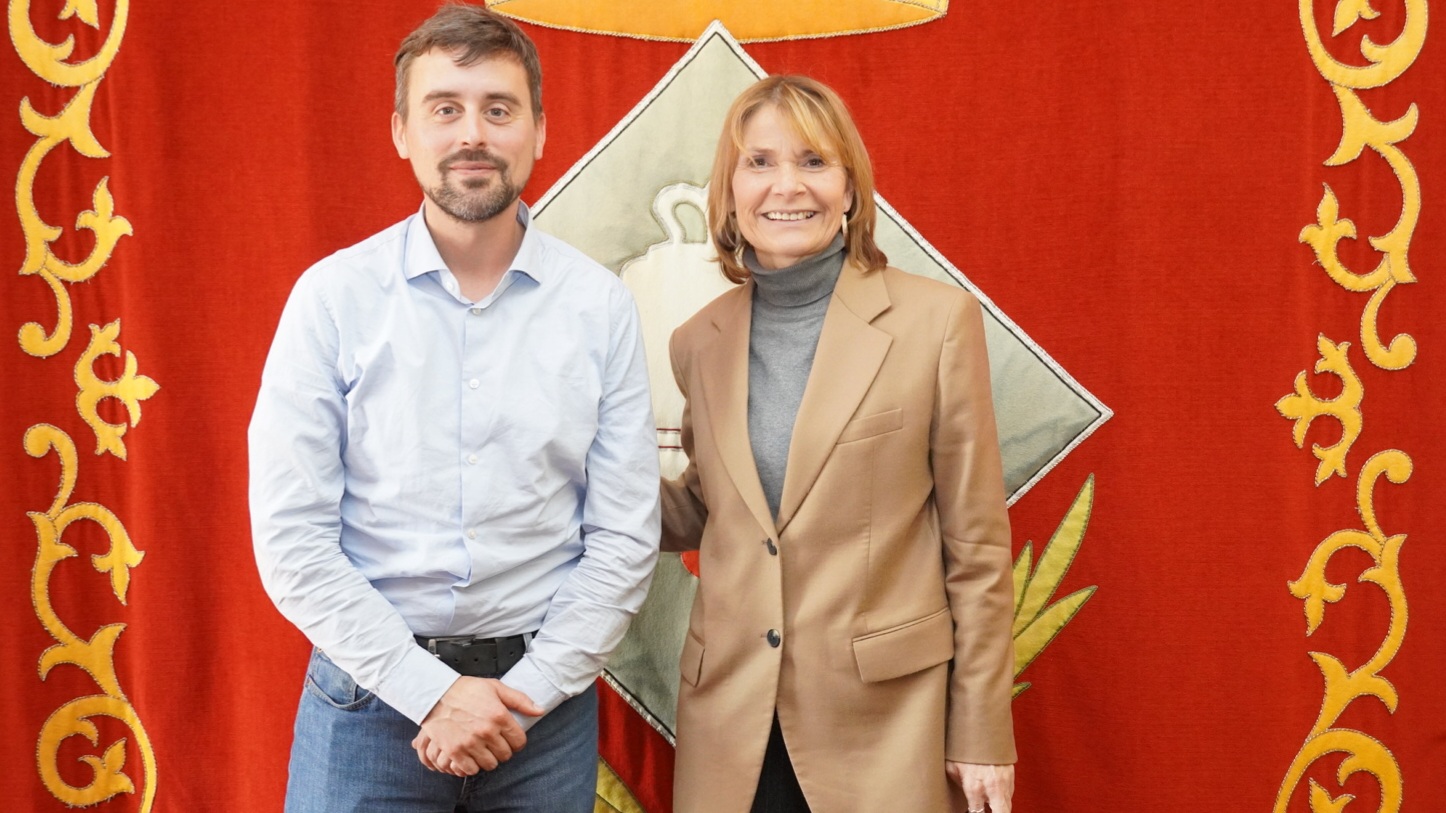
column 525, row 677
column 415, row 685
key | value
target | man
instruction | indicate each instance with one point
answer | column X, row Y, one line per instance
column 454, row 467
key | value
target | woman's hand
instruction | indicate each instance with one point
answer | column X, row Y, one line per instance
column 986, row 787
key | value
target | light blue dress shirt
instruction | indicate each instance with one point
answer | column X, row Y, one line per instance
column 423, row 464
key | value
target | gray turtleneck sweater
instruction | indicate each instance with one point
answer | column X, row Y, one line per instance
column 788, row 309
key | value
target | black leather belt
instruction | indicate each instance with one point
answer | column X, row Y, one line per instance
column 478, row 657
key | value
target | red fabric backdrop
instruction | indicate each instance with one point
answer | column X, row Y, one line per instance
column 1128, row 181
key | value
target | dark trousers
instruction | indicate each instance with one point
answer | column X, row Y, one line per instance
column 778, row 790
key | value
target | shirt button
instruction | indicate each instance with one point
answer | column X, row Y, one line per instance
column 774, row 639
column 472, row 458
column 476, row 311
column 472, row 534
column 474, row 383
column 772, row 548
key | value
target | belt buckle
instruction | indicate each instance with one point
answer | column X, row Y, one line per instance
column 457, row 640
column 466, row 641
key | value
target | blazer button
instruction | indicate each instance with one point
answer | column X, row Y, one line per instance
column 774, row 639
column 772, row 548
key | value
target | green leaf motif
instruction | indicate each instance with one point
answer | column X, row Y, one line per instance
column 1036, row 621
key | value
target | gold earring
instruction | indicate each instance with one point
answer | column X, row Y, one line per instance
column 846, row 223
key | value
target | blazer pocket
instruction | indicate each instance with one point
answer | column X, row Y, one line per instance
column 690, row 664
column 905, row 649
column 871, row 425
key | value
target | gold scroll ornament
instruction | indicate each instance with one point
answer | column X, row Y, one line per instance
column 130, row 389
column 1360, row 130
column 1305, row 406
column 95, row 655
column 746, row 20
column 71, row 124
column 1344, row 686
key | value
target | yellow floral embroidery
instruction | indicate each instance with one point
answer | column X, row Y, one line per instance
column 1305, row 407
column 130, row 389
column 1360, row 130
column 95, row 655
column 71, row 124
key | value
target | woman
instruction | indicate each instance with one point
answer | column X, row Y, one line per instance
column 849, row 647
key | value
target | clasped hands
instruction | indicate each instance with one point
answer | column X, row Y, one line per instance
column 472, row 729
column 988, row 787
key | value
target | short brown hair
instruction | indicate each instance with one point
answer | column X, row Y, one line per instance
column 471, row 34
column 822, row 120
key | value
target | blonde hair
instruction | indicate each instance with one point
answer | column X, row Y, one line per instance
column 821, row 120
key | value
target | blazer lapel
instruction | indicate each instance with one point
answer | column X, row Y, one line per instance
column 725, row 390
column 850, row 353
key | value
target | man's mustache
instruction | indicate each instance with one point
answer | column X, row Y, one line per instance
column 472, row 157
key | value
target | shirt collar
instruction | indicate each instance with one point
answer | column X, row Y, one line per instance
column 422, row 256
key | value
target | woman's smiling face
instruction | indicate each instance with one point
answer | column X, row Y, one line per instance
column 789, row 199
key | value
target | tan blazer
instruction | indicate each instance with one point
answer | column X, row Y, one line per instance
column 875, row 614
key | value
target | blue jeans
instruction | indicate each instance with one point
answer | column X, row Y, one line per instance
column 352, row 753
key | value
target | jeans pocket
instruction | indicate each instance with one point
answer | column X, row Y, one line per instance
column 332, row 684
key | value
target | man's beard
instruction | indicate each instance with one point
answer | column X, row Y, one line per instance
column 476, row 199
